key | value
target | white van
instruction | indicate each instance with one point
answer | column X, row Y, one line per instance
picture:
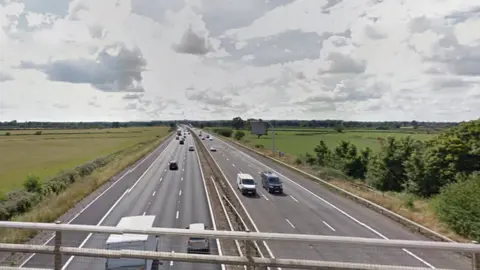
column 246, row 184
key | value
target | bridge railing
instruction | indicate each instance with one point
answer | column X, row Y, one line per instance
column 473, row 250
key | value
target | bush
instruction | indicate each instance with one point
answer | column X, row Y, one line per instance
column 259, row 146
column 38, row 132
column 239, row 135
column 458, row 205
column 32, row 184
column 225, row 132
column 7, row 133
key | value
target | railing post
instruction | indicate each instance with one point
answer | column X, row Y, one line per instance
column 57, row 255
column 249, row 253
column 475, row 259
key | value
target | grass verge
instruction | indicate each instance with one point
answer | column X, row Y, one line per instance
column 54, row 206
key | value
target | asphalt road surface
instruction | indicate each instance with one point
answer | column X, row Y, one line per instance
column 308, row 208
column 176, row 198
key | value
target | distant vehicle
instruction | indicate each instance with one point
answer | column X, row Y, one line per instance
column 213, row 149
column 182, row 141
column 176, row 138
column 208, row 136
column 188, row 133
column 190, row 148
column 198, row 244
column 131, row 241
column 179, row 132
column 271, row 182
column 172, row 165
column 246, row 184
column 203, row 138
column 211, row 138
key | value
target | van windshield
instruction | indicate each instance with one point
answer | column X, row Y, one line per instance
column 248, row 182
column 274, row 180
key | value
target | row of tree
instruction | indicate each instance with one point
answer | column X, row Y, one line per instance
column 239, row 123
column 236, row 123
column 446, row 167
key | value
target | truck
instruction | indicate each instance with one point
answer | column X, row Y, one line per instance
column 132, row 242
column 179, row 132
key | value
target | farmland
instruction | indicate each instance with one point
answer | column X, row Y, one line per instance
column 300, row 141
column 51, row 151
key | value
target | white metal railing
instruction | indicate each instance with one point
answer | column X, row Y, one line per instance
column 58, row 250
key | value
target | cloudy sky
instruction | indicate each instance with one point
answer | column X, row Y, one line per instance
column 85, row 60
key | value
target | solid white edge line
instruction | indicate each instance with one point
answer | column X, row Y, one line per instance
column 100, row 195
column 212, row 217
column 70, row 259
column 328, row 203
column 244, row 209
column 176, row 216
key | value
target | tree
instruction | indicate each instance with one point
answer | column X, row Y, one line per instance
column 239, row 135
column 454, row 153
column 387, row 169
column 238, row 123
column 322, row 152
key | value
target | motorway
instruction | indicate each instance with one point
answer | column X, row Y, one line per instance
column 308, row 208
column 176, row 198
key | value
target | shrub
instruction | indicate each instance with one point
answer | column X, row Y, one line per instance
column 225, row 132
column 7, row 133
column 239, row 135
column 259, row 146
column 458, row 205
column 39, row 132
column 32, row 184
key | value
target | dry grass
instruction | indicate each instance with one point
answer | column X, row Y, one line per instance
column 416, row 209
column 56, row 150
column 53, row 207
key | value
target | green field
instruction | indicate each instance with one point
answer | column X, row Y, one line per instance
column 23, row 153
column 303, row 140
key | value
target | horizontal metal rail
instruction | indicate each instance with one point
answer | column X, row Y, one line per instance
column 196, row 258
column 254, row 236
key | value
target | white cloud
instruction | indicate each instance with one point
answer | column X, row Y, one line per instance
column 87, row 60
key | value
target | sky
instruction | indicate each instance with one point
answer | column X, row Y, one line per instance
column 129, row 60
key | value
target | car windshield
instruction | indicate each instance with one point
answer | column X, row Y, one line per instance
column 248, row 182
column 197, row 239
column 274, row 180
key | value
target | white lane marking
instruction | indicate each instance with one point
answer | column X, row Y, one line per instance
column 165, row 170
column 290, row 223
column 265, row 197
column 233, row 165
column 100, row 195
column 249, row 165
column 180, row 193
column 144, row 213
column 227, row 159
column 171, row 262
column 328, row 225
column 177, row 215
column 181, row 179
column 128, row 190
column 154, row 193
column 328, row 203
column 183, row 170
column 161, row 178
column 111, row 209
column 293, row 198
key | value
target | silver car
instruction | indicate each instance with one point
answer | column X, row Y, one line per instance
column 198, row 244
